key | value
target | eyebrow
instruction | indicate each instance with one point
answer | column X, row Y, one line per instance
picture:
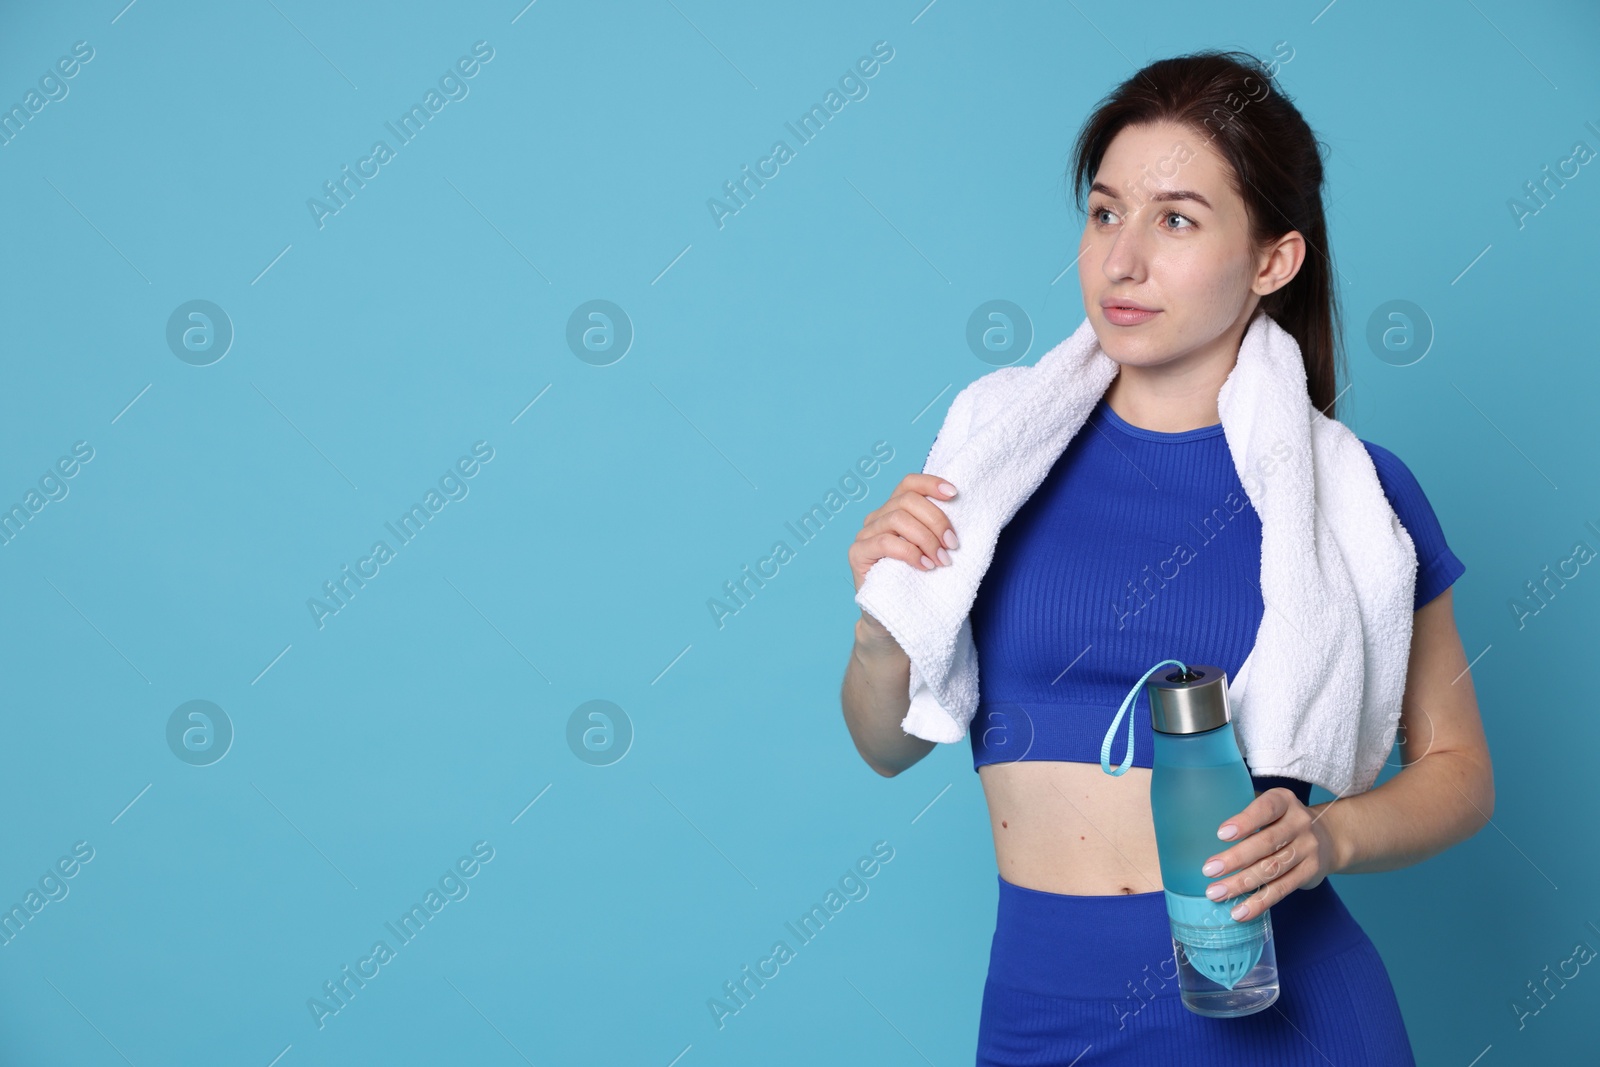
column 1161, row 196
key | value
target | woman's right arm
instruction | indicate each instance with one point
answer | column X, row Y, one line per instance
column 912, row 528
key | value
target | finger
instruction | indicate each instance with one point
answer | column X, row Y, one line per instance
column 905, row 537
column 932, row 484
column 1259, row 873
column 912, row 493
column 1271, row 893
column 1266, row 808
column 927, row 511
column 916, row 485
column 916, row 534
column 1252, row 850
column 890, row 543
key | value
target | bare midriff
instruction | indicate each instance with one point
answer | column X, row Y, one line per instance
column 1072, row 828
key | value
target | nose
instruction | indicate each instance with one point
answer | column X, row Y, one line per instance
column 1125, row 258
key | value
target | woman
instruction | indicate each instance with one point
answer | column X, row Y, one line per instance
column 1172, row 269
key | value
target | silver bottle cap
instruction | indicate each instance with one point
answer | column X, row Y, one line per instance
column 1189, row 704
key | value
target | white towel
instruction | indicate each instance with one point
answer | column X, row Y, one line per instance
column 1318, row 696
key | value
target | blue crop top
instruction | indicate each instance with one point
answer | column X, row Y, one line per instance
column 1137, row 546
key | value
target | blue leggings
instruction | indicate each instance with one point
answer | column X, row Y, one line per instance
column 1087, row 980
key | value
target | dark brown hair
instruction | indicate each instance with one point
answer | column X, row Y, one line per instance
column 1232, row 102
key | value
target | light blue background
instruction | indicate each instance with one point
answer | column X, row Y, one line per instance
column 829, row 314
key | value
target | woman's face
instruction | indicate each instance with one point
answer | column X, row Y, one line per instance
column 1167, row 232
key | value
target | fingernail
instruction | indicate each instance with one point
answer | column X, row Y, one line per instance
column 947, row 489
column 944, row 557
column 1217, row 892
column 1228, row 832
column 1211, row 868
column 950, row 539
column 928, row 564
column 1239, row 912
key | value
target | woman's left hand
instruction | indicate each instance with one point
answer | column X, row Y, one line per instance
column 1293, row 850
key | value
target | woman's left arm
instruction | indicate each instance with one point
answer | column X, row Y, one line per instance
column 1443, row 794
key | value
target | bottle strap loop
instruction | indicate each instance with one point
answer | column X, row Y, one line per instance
column 1127, row 703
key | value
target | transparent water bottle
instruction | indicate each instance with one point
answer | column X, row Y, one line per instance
column 1226, row 968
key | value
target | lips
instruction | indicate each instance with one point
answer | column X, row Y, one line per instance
column 1127, row 314
column 1131, row 305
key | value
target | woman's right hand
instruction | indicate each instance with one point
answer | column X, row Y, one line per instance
column 908, row 526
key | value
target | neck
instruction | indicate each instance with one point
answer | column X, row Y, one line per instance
column 1180, row 394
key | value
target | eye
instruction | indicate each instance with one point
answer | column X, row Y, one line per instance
column 1096, row 210
column 1175, row 215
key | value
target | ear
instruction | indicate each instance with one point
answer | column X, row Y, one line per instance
column 1279, row 263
